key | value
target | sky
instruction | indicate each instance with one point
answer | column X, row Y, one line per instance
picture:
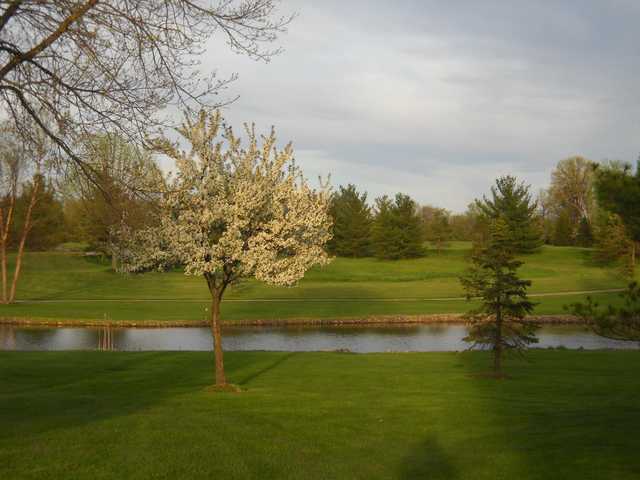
column 436, row 99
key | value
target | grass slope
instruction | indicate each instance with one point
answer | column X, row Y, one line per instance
column 83, row 288
column 103, row 415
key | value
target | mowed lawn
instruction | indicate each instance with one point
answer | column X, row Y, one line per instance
column 103, row 415
column 64, row 286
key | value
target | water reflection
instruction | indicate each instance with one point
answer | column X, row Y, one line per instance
column 105, row 339
column 440, row 337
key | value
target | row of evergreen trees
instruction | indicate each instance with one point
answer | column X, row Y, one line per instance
column 397, row 228
column 391, row 230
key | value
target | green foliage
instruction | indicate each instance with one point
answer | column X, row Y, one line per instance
column 48, row 226
column 499, row 323
column 436, row 226
column 512, row 202
column 618, row 322
column 118, row 197
column 462, row 226
column 352, row 220
column 397, row 228
column 584, row 236
column 562, row 230
column 613, row 245
column 618, row 191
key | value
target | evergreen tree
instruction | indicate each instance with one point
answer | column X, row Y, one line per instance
column 397, row 228
column 499, row 323
column 619, row 322
column 512, row 202
column 352, row 221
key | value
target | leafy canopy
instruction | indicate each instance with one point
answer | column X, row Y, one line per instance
column 618, row 191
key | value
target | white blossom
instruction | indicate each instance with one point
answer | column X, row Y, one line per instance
column 233, row 211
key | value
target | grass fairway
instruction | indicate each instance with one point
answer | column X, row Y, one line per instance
column 102, row 415
column 63, row 286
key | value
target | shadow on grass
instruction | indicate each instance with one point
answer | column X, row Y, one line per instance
column 572, row 413
column 252, row 376
column 43, row 391
column 428, row 461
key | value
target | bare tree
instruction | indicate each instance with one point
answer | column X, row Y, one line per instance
column 18, row 161
column 94, row 66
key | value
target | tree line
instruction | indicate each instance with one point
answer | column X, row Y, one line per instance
column 568, row 213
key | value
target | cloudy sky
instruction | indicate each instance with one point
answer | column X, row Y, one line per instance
column 438, row 98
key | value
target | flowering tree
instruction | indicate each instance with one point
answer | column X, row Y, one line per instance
column 233, row 212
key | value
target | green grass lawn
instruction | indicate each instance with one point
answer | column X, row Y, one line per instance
column 83, row 288
column 101, row 415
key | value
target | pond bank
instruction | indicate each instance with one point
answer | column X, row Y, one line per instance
column 370, row 320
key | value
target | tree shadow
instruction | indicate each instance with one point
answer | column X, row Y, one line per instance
column 252, row 376
column 46, row 391
column 573, row 413
column 428, row 460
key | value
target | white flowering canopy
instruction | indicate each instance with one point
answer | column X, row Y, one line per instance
column 232, row 211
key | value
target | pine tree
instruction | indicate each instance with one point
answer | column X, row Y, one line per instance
column 352, row 221
column 617, row 322
column 499, row 323
column 397, row 228
column 512, row 202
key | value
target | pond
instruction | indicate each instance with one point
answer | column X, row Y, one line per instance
column 397, row 338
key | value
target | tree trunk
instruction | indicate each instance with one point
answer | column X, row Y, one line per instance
column 497, row 348
column 4, row 240
column 25, row 231
column 3, row 256
column 217, row 337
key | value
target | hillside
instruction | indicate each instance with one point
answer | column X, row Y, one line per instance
column 65, row 286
